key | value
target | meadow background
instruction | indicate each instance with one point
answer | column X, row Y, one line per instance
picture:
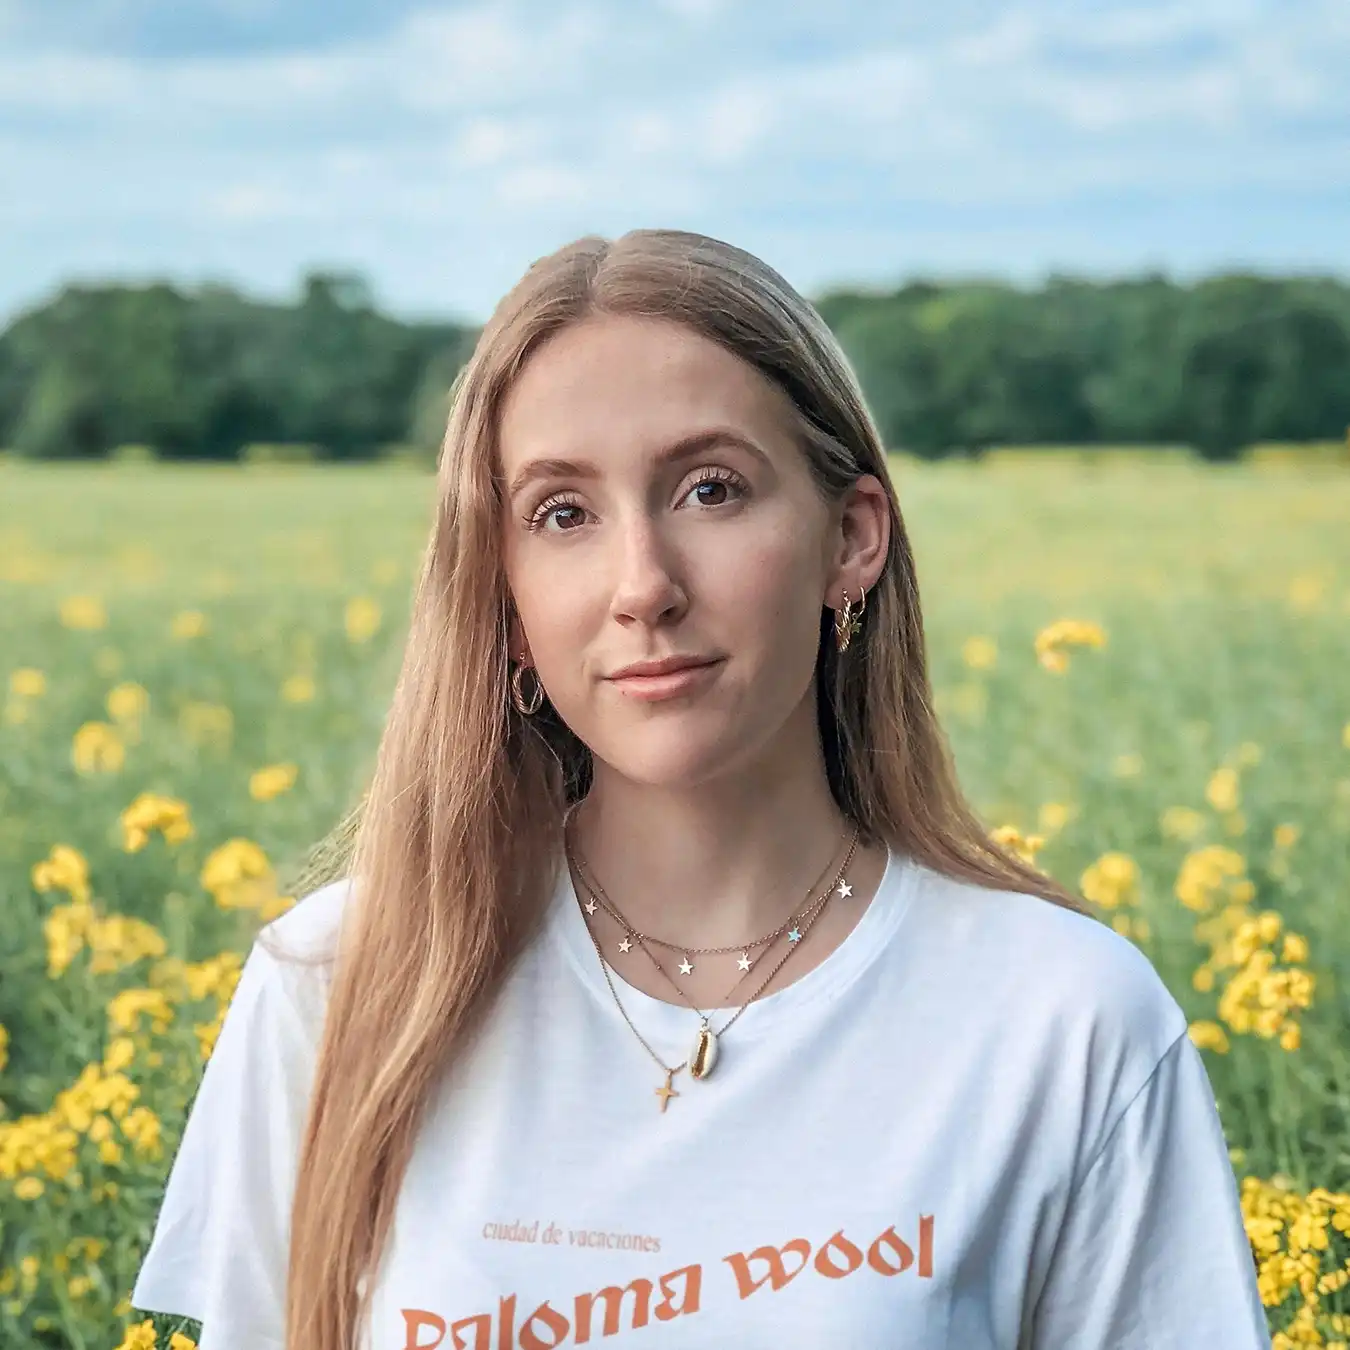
column 1091, row 265
column 1139, row 658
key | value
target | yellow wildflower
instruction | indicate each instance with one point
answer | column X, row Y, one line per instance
column 97, row 748
column 1207, row 873
column 277, row 905
column 1052, row 640
column 272, row 781
column 238, row 875
column 65, row 929
column 1295, row 949
column 140, row 1337
column 63, row 869
column 1261, row 999
column 361, row 618
column 27, row 682
column 298, row 689
column 1268, row 925
column 1112, row 881
column 1182, row 822
column 188, row 623
column 150, row 812
column 1222, row 790
column 1024, row 846
column 980, row 653
column 1209, row 1036
column 126, row 1008
column 120, row 1054
column 83, row 611
column 127, row 702
column 1286, row 836
column 1053, row 816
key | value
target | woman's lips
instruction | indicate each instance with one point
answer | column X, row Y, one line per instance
column 650, row 688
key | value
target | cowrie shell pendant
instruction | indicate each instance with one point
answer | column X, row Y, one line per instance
column 704, row 1054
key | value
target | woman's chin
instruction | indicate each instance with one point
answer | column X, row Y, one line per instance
column 670, row 757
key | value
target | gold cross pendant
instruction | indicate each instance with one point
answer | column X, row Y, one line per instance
column 666, row 1092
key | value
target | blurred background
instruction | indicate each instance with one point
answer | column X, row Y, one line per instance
column 1092, row 266
column 239, row 222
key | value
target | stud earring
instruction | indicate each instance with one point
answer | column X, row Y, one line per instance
column 847, row 623
column 518, row 694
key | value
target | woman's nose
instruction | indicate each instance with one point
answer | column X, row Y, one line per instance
column 647, row 583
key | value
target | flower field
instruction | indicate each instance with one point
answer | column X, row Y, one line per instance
column 1142, row 667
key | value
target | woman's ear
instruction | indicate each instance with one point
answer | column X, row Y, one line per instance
column 862, row 538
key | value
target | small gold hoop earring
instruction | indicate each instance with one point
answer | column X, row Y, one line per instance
column 847, row 624
column 518, row 695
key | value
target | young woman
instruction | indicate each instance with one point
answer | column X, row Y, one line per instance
column 668, row 992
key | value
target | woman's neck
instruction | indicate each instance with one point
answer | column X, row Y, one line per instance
column 724, row 863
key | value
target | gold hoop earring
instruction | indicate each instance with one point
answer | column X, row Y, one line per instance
column 847, row 624
column 518, row 695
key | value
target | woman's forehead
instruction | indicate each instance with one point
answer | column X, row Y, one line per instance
column 623, row 381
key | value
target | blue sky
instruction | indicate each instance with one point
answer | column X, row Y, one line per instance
column 441, row 148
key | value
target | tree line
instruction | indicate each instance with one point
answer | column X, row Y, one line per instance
column 947, row 367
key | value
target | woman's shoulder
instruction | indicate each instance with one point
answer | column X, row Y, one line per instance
column 293, row 955
column 1046, row 970
column 311, row 925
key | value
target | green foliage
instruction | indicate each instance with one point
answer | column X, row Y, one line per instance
column 1219, row 365
column 202, row 375
column 946, row 367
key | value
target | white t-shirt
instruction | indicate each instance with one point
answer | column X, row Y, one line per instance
column 979, row 1123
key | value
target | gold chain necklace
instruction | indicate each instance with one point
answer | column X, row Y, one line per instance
column 808, row 916
column 704, row 1056
column 841, row 886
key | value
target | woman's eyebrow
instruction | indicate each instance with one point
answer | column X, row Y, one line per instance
column 686, row 446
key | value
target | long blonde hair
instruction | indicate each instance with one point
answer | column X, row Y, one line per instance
column 455, row 843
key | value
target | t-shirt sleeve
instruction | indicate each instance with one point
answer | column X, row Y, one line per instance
column 1152, row 1250
column 220, row 1245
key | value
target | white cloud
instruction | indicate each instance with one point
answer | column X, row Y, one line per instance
column 645, row 132
column 541, row 185
column 699, row 11
column 736, row 120
column 482, row 142
column 251, row 202
column 513, row 119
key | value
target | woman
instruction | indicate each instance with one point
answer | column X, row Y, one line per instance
column 682, row 999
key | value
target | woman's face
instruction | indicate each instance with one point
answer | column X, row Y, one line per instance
column 656, row 507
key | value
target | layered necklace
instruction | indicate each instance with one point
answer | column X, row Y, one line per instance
column 703, row 1055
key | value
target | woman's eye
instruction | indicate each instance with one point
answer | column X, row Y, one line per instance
column 715, row 490
column 548, row 510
